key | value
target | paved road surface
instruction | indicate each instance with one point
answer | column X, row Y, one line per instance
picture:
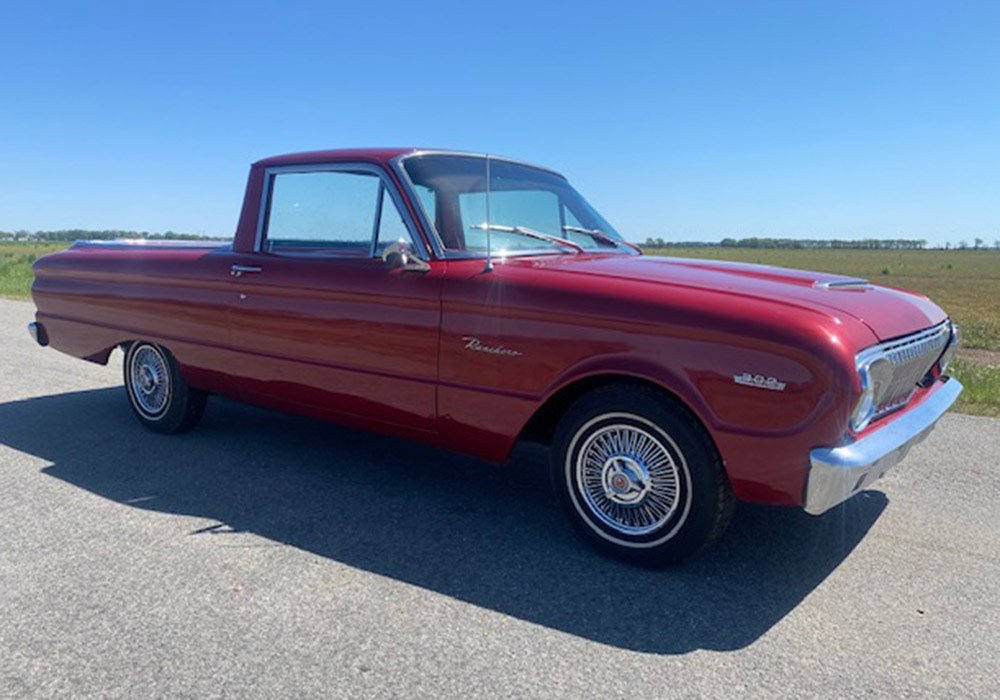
column 270, row 556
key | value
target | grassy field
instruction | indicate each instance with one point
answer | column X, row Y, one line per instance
column 15, row 265
column 966, row 283
column 982, row 388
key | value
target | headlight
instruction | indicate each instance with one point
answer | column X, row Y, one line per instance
column 875, row 372
column 949, row 352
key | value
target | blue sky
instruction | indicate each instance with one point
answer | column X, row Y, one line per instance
column 686, row 120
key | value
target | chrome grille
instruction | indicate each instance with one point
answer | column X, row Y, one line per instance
column 911, row 359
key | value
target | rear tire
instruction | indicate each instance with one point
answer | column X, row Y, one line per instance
column 160, row 398
column 639, row 477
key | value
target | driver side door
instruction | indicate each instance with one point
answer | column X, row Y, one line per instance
column 321, row 322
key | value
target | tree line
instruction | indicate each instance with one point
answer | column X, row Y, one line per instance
column 82, row 234
column 833, row 243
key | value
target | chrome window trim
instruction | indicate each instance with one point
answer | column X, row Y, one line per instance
column 377, row 223
column 385, row 185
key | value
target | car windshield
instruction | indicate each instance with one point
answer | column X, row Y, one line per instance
column 452, row 190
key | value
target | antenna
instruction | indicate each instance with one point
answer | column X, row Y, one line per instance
column 489, row 248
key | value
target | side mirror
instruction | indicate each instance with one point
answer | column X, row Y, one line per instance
column 400, row 256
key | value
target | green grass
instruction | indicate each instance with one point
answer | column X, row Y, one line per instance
column 982, row 388
column 16, row 260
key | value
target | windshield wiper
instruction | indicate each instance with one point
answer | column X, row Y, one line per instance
column 601, row 236
column 531, row 233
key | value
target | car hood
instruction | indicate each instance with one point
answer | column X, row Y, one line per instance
column 889, row 313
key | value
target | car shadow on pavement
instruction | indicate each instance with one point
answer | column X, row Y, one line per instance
column 491, row 537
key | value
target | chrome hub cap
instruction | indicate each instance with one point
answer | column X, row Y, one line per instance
column 625, row 480
column 628, row 479
column 150, row 380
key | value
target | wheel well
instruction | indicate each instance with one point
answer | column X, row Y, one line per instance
column 542, row 425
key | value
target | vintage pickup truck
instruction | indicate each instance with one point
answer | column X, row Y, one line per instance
column 470, row 301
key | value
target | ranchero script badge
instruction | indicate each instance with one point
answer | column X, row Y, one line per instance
column 759, row 381
column 474, row 344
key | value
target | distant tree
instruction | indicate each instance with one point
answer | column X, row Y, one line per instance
column 82, row 234
column 962, row 245
column 754, row 242
column 979, row 243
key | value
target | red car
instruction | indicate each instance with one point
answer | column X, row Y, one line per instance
column 469, row 301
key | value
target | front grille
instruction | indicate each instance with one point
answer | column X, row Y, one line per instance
column 911, row 359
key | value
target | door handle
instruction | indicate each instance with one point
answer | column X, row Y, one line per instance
column 238, row 270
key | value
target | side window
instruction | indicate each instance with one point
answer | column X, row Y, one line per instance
column 390, row 225
column 328, row 212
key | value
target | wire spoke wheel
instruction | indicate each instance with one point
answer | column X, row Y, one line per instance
column 639, row 476
column 628, row 479
column 149, row 380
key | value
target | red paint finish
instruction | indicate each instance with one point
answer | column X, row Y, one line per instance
column 354, row 341
column 339, row 332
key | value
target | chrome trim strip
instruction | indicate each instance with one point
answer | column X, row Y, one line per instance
column 837, row 473
column 377, row 221
column 851, row 283
column 340, row 166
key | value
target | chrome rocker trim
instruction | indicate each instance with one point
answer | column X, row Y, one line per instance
column 837, row 473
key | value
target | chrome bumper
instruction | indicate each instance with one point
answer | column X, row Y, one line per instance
column 837, row 473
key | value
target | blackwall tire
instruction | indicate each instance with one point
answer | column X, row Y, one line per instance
column 639, row 477
column 160, row 398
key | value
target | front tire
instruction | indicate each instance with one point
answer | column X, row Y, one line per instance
column 160, row 398
column 639, row 477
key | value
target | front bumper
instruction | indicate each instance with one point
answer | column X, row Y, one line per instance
column 837, row 473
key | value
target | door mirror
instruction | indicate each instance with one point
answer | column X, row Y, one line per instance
column 400, row 256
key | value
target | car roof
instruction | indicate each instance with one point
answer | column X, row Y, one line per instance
column 370, row 155
column 378, row 155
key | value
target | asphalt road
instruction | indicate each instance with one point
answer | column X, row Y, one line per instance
column 264, row 555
